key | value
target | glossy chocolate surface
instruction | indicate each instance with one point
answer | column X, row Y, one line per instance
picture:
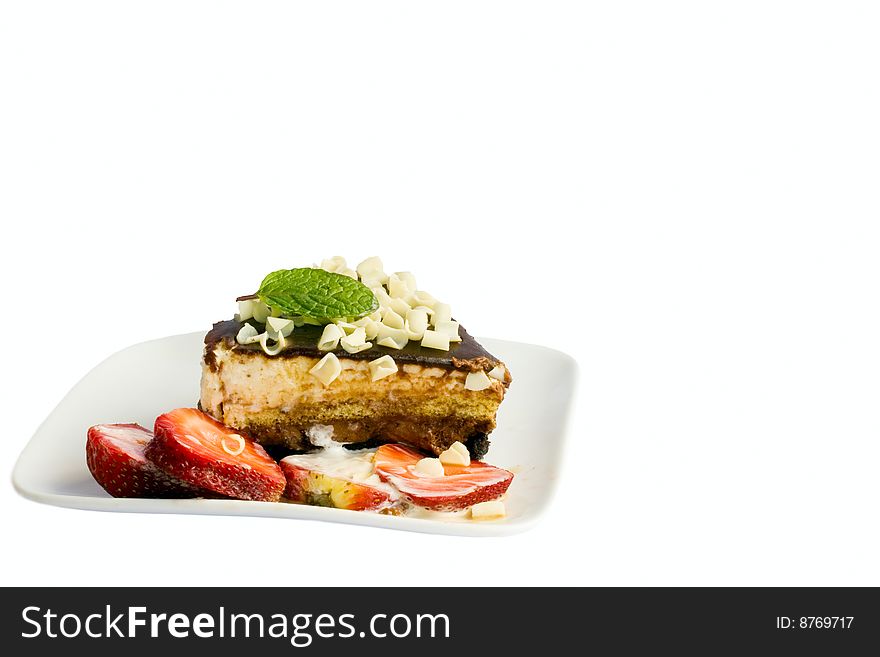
column 467, row 354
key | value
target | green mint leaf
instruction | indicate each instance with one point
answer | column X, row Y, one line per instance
column 317, row 294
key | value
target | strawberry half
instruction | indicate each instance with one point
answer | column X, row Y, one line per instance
column 115, row 457
column 343, row 482
column 460, row 487
column 196, row 448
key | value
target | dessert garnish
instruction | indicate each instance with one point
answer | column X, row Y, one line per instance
column 194, row 448
column 456, row 488
column 363, row 305
column 316, row 294
column 115, row 457
column 192, row 455
column 491, row 510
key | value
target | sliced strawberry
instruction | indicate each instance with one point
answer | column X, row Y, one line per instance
column 460, row 487
column 115, row 457
column 196, row 448
column 341, row 480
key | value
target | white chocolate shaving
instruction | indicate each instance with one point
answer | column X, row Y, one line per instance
column 488, row 510
column 454, row 457
column 391, row 337
column 261, row 311
column 422, row 298
column 392, row 320
column 429, row 467
column 371, row 327
column 355, row 341
column 442, row 312
column 246, row 309
column 279, row 345
column 477, row 381
column 416, row 324
column 353, row 349
column 372, row 279
column 335, row 264
column 327, row 369
column 247, row 335
column 399, row 287
column 372, row 268
column 347, row 327
column 382, row 367
column 351, row 273
column 399, row 306
column 450, row 328
column 381, row 296
column 330, row 337
column 233, row 451
column 276, row 325
column 408, row 278
column 460, row 448
column 435, row 340
column 498, row 372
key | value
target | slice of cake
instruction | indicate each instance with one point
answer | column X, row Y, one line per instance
column 380, row 362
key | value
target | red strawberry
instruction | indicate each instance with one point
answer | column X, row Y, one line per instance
column 460, row 487
column 196, row 448
column 115, row 456
column 347, row 482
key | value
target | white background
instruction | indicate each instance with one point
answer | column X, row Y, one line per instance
column 682, row 196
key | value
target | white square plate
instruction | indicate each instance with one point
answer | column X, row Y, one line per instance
column 147, row 379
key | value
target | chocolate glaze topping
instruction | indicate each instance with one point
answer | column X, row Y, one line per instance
column 467, row 354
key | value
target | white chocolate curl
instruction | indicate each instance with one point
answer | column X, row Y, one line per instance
column 346, row 327
column 356, row 338
column 381, row 296
column 392, row 338
column 460, row 448
column 327, row 369
column 429, row 468
column 408, row 278
column 498, row 372
column 356, row 341
column 371, row 327
column 336, row 264
column 442, row 312
column 277, row 348
column 246, row 309
column 449, row 327
column 247, row 335
column 279, row 325
column 457, row 454
column 399, row 306
column 372, row 268
column 330, row 337
column 435, row 340
column 237, row 449
column 392, row 320
column 382, row 367
column 477, row 381
column 488, row 510
column 261, row 311
column 422, row 298
column 399, row 288
column 416, row 324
